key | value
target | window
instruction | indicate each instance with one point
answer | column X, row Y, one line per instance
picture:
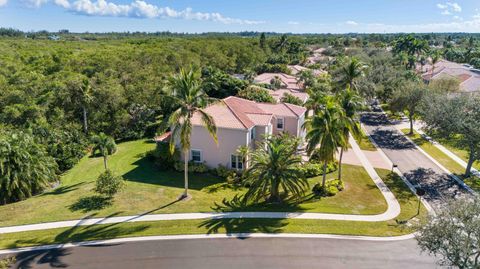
column 253, row 133
column 280, row 123
column 196, row 156
column 236, row 162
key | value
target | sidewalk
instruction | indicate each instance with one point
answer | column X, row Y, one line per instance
column 393, row 210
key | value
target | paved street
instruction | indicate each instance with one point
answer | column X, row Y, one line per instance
column 235, row 253
column 416, row 167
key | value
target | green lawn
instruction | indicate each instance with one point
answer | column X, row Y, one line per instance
column 453, row 145
column 364, row 142
column 442, row 158
column 152, row 191
column 393, row 227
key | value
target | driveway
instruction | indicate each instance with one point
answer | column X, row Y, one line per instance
column 235, row 253
column 415, row 166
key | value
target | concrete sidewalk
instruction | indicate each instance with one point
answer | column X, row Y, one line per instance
column 393, row 210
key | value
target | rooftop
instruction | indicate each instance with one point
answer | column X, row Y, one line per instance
column 237, row 113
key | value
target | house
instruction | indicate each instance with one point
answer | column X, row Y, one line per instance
column 278, row 94
column 287, row 81
column 241, row 122
column 296, row 69
column 468, row 77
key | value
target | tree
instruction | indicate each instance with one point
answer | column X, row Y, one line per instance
column 25, row 167
column 408, row 98
column 351, row 72
column 445, row 85
column 257, row 94
column 108, row 184
column 435, row 56
column 105, row 145
column 324, row 130
column 275, row 168
column 350, row 103
column 81, row 91
column 291, row 99
column 185, row 90
column 453, row 234
column 263, row 40
column 455, row 117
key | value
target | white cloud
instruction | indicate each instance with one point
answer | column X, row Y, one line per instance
column 137, row 9
column 293, row 22
column 3, row 2
column 62, row 3
column 458, row 18
column 449, row 7
column 353, row 23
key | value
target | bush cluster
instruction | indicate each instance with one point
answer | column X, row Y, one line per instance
column 162, row 157
column 315, row 169
column 108, row 184
column 332, row 187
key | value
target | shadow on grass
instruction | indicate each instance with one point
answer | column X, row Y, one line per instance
column 53, row 257
column 146, row 172
column 64, row 189
column 91, row 203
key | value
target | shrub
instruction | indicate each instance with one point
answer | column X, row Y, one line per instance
column 332, row 187
column 192, row 167
column 162, row 157
column 316, row 169
column 7, row 262
column 108, row 184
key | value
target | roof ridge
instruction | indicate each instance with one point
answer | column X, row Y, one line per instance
column 288, row 106
column 235, row 113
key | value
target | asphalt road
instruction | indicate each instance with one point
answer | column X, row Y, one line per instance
column 235, row 253
column 415, row 166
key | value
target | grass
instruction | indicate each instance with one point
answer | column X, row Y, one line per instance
column 453, row 144
column 150, row 191
column 435, row 153
column 443, row 159
column 406, row 198
column 364, row 142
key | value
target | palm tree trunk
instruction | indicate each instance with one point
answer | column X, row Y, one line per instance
column 85, row 123
column 324, row 179
column 340, row 165
column 185, row 192
column 105, row 162
column 471, row 159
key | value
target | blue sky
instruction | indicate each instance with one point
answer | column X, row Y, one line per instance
column 298, row 16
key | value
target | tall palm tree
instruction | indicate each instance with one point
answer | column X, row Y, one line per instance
column 435, row 55
column 324, row 130
column 275, row 168
column 105, row 145
column 186, row 91
column 351, row 72
column 350, row 102
column 82, row 94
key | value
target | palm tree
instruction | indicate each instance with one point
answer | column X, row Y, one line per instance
column 351, row 72
column 81, row 93
column 324, row 130
column 25, row 167
column 275, row 168
column 350, row 102
column 185, row 90
column 435, row 55
column 314, row 102
column 105, row 145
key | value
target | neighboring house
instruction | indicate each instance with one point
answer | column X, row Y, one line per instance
column 241, row 122
column 295, row 69
column 468, row 77
column 278, row 94
column 287, row 81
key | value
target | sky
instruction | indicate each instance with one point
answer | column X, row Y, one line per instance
column 283, row 16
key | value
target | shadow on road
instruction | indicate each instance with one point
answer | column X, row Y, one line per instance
column 391, row 140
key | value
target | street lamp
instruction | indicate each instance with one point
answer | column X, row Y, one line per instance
column 420, row 192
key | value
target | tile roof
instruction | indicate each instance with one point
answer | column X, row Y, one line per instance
column 469, row 78
column 295, row 69
column 288, row 81
column 278, row 94
column 237, row 113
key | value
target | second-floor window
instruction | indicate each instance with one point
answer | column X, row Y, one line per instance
column 280, row 123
